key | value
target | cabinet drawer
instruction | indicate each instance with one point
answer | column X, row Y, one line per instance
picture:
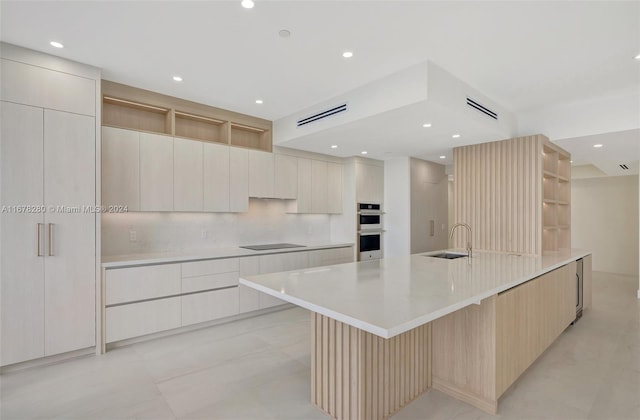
column 202, row 307
column 249, row 299
column 140, row 283
column 138, row 319
column 211, row 281
column 203, row 268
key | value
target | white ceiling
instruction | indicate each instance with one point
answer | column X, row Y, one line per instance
column 524, row 55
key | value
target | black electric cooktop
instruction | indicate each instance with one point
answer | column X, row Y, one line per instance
column 271, row 246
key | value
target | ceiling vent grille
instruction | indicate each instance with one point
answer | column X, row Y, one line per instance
column 322, row 115
column 624, row 167
column 478, row 107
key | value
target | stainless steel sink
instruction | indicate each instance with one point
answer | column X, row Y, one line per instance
column 446, row 255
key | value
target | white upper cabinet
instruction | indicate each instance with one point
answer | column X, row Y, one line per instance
column 156, row 172
column 187, row 175
column 239, row 180
column 261, row 174
column 369, row 183
column 44, row 88
column 334, row 185
column 304, row 185
column 216, row 177
column 286, row 176
column 319, row 187
column 121, row 168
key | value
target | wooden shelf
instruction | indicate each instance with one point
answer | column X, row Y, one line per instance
column 556, row 198
column 124, row 113
column 137, row 109
column 252, row 137
column 199, row 127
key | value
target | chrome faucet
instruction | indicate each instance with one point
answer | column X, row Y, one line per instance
column 469, row 250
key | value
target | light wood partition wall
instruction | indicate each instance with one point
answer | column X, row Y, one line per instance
column 515, row 194
column 497, row 191
column 358, row 375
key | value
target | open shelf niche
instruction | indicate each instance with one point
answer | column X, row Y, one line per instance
column 556, row 198
column 142, row 110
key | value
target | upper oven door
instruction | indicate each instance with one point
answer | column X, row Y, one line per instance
column 369, row 221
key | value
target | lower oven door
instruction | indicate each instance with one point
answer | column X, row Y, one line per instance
column 370, row 246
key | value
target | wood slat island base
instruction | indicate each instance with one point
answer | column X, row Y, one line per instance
column 359, row 375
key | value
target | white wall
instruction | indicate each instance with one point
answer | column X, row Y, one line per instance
column 397, row 207
column 604, row 219
column 265, row 222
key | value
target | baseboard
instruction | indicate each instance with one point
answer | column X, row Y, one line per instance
column 488, row 406
column 49, row 360
column 189, row 328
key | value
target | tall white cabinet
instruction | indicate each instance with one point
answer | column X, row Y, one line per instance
column 47, row 194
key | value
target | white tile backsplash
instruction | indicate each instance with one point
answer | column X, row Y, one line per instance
column 265, row 222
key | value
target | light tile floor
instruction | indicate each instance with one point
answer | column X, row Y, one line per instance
column 258, row 368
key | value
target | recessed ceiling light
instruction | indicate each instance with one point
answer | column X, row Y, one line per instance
column 56, row 44
column 247, row 4
column 637, row 57
column 177, row 79
column 570, row 161
column 364, row 152
column 426, row 125
column 597, row 146
column 334, row 146
column 455, row 136
column 347, row 54
column 259, row 101
column 284, row 33
column 443, row 157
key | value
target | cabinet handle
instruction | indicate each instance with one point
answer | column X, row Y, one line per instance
column 39, row 234
column 50, row 239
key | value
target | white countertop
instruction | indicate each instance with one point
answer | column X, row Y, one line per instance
column 118, row 261
column 390, row 296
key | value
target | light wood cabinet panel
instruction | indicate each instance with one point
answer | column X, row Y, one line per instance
column 304, row 186
column 286, row 176
column 202, row 307
column 239, row 180
column 587, row 280
column 261, row 174
column 249, row 298
column 21, row 270
column 127, row 321
column 37, row 86
column 369, row 183
column 280, row 262
column 529, row 318
column 156, row 172
column 209, row 281
column 139, row 283
column 334, row 184
column 187, row 175
column 69, row 169
column 121, row 168
column 319, row 187
column 202, row 268
column 216, row 178
column 320, row 257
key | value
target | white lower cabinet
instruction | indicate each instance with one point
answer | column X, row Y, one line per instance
column 128, row 321
column 207, row 306
column 141, row 283
column 149, row 299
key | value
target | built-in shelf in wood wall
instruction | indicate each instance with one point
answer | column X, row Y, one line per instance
column 515, row 194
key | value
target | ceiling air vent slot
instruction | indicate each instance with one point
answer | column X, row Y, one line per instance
column 486, row 111
column 624, row 166
column 321, row 115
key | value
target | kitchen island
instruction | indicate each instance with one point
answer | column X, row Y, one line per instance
column 385, row 331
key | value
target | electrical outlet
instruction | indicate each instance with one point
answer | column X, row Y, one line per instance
column 204, row 234
column 133, row 236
